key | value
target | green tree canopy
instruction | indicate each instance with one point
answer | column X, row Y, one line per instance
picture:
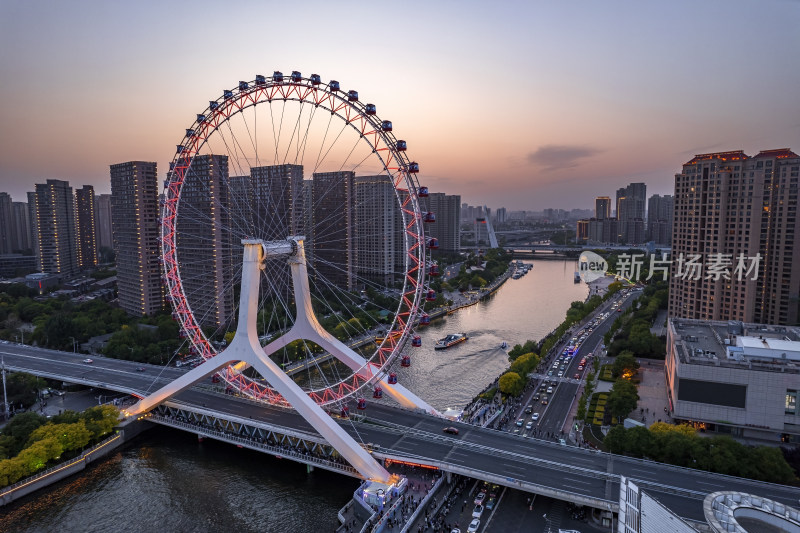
column 511, row 383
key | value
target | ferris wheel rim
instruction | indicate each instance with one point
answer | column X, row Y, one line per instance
column 354, row 114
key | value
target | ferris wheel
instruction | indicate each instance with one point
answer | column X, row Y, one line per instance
column 288, row 162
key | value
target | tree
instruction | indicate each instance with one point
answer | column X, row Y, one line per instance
column 524, row 364
column 511, row 383
column 616, row 440
column 624, row 365
column 622, row 399
column 20, row 428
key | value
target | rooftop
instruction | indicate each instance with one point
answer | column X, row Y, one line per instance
column 735, row 155
column 758, row 347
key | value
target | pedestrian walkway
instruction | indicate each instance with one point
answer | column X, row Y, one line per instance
column 652, row 394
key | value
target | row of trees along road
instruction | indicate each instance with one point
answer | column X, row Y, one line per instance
column 29, row 442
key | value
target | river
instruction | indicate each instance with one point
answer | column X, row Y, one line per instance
column 169, row 482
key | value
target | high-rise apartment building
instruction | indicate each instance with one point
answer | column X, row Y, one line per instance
column 333, row 214
column 33, row 218
column 660, row 210
column 447, row 228
column 55, row 222
column 22, row 226
column 602, row 207
column 278, row 200
column 203, row 240
column 86, row 227
column 739, row 213
column 582, row 231
column 631, row 203
column 6, row 223
column 500, row 215
column 102, row 219
column 136, row 231
column 379, row 230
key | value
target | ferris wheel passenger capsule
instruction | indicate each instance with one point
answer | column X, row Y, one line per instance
column 377, row 393
column 213, row 105
column 260, row 80
column 370, row 109
column 179, row 149
column 277, row 76
column 430, row 295
column 386, row 125
column 405, row 361
column 315, row 79
column 429, row 217
column 352, row 96
column 345, row 412
column 243, row 86
column 401, row 146
column 422, row 192
column 413, row 167
column 333, row 85
column 362, row 403
column 296, row 76
column 416, row 341
column 392, row 379
column 424, row 320
column 227, row 94
column 433, row 243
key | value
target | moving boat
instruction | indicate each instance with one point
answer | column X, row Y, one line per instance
column 504, row 345
column 450, row 340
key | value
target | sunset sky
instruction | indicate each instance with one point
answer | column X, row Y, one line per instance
column 525, row 105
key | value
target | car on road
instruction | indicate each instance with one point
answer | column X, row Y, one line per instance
column 140, row 369
column 560, row 374
column 577, row 375
column 536, row 397
column 580, row 367
column 456, row 530
column 88, row 361
column 549, row 390
column 520, row 422
column 480, row 497
column 491, row 503
column 528, row 410
column 478, row 511
column 451, row 430
column 544, row 400
column 550, row 373
column 529, row 426
column 473, row 526
column 535, row 417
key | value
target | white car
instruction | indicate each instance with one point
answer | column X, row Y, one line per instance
column 88, row 361
column 477, row 512
column 535, row 417
column 473, row 526
column 482, row 495
column 560, row 374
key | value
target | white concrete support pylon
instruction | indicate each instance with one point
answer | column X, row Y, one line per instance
column 306, row 326
column 246, row 348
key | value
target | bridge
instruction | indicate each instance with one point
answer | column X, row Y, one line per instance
column 385, row 432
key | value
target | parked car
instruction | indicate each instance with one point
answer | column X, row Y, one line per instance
column 478, row 511
column 473, row 526
column 480, row 497
column 451, row 430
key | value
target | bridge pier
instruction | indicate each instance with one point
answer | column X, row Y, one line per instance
column 309, row 468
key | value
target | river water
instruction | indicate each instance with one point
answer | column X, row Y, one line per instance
column 169, row 482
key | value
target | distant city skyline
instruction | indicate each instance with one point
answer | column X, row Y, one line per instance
column 515, row 105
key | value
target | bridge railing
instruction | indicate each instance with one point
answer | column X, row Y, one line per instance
column 257, row 444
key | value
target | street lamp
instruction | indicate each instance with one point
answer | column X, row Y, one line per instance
column 74, row 345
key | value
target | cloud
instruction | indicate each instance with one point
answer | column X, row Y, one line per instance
column 553, row 157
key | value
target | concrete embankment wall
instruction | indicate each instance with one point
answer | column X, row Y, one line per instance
column 125, row 432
